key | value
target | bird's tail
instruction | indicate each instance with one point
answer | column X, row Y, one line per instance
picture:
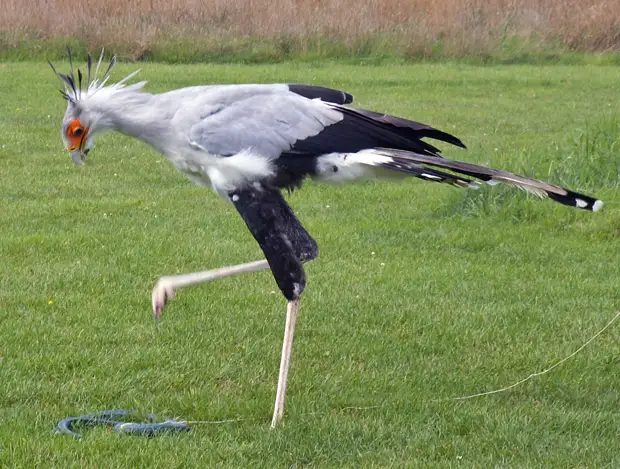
column 435, row 169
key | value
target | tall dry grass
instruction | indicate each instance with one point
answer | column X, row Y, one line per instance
column 414, row 27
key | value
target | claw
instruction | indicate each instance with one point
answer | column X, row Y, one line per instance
column 162, row 292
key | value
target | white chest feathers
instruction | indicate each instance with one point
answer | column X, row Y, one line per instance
column 225, row 173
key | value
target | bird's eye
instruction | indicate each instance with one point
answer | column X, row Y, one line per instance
column 75, row 129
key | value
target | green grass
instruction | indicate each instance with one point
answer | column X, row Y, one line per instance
column 374, row 49
column 422, row 292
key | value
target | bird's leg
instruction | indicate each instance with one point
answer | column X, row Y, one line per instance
column 165, row 286
column 286, row 245
column 287, row 347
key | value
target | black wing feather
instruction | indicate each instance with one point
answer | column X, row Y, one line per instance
column 326, row 94
column 358, row 130
column 361, row 130
column 414, row 129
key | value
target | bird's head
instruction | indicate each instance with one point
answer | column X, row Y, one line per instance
column 86, row 113
column 76, row 133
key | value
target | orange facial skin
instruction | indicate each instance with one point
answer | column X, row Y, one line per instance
column 76, row 133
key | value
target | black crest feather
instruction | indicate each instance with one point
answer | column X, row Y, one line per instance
column 72, row 91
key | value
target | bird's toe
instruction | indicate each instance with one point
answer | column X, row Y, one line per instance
column 162, row 292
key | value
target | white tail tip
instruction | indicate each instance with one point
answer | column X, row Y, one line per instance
column 597, row 206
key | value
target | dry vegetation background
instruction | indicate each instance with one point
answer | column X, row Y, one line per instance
column 282, row 27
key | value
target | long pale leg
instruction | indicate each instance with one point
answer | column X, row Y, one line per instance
column 287, row 346
column 165, row 286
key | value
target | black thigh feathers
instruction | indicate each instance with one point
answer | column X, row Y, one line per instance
column 280, row 235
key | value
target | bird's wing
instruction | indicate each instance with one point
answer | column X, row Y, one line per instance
column 266, row 123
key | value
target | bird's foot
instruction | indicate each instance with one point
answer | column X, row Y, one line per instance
column 162, row 292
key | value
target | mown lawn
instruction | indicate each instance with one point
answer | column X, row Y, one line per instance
column 422, row 292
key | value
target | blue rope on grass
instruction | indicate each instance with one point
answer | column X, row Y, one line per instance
column 111, row 419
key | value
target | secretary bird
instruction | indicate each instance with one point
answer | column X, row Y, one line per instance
column 248, row 142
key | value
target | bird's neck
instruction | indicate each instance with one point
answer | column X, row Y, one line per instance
column 135, row 114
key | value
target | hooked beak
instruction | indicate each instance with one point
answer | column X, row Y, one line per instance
column 78, row 154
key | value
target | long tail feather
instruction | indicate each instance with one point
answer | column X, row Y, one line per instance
column 428, row 174
column 404, row 159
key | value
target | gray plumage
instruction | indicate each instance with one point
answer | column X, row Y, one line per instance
column 267, row 120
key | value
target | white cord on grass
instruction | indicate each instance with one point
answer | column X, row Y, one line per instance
column 461, row 398
column 533, row 375
column 217, row 422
